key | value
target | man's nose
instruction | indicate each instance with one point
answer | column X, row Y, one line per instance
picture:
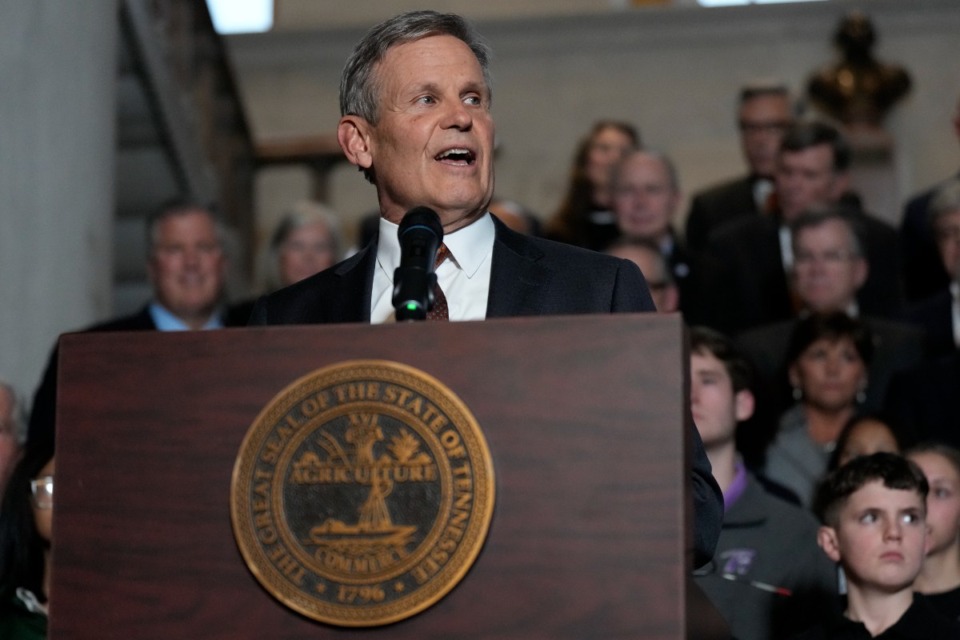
column 894, row 530
column 458, row 116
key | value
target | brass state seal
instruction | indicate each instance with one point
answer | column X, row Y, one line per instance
column 362, row 493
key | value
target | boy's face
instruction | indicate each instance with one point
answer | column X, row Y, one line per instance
column 715, row 406
column 879, row 539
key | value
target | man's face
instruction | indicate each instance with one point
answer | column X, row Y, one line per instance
column 881, row 536
column 643, row 198
column 716, row 408
column 763, row 121
column 946, row 230
column 433, row 142
column 187, row 266
column 806, row 179
column 827, row 272
column 9, row 446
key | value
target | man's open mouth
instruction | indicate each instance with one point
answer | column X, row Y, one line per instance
column 457, row 156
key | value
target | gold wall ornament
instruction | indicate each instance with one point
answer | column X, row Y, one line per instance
column 362, row 493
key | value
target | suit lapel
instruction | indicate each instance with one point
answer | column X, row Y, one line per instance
column 516, row 275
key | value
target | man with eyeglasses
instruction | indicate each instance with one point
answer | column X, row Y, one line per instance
column 765, row 113
column 748, row 261
column 645, row 193
column 829, row 271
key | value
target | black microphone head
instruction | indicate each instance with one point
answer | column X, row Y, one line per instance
column 422, row 219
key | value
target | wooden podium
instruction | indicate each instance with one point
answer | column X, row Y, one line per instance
column 585, row 418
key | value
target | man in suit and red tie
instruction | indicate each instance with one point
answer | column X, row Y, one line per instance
column 415, row 119
column 765, row 113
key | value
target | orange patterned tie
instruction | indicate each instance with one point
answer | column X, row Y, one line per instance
column 439, row 311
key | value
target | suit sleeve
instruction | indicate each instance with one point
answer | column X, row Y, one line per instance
column 707, row 502
column 258, row 316
column 630, row 290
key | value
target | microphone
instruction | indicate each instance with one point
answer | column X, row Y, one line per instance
column 420, row 235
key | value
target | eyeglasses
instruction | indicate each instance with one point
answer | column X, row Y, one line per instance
column 42, row 490
column 776, row 126
column 827, row 257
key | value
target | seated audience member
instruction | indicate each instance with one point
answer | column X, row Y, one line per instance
column 11, row 432
column 584, row 218
column 923, row 273
column 764, row 115
column 767, row 572
column 939, row 315
column 645, row 193
column 187, row 270
column 828, row 358
column 873, row 511
column 863, row 435
column 747, row 265
column 306, row 241
column 647, row 255
column 26, row 516
column 829, row 269
column 923, row 402
column 939, row 578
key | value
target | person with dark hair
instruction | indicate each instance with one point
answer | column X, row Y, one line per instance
column 764, row 113
column 863, row 435
column 25, row 544
column 749, row 260
column 939, row 578
column 767, row 572
column 873, row 514
column 416, row 119
column 187, row 269
column 827, row 358
column 829, row 270
column 584, row 218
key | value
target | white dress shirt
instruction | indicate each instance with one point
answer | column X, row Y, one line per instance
column 464, row 276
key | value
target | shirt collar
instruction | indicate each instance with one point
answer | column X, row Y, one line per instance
column 166, row 321
column 469, row 246
column 737, row 487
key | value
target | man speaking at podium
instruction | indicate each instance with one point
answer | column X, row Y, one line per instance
column 415, row 118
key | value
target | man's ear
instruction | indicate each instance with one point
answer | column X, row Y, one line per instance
column 862, row 270
column 744, row 404
column 827, row 539
column 353, row 134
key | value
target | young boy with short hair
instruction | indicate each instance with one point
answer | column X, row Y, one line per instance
column 873, row 511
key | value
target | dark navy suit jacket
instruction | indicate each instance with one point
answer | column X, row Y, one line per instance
column 529, row 277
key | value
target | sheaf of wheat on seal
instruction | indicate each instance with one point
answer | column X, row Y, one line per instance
column 362, row 493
